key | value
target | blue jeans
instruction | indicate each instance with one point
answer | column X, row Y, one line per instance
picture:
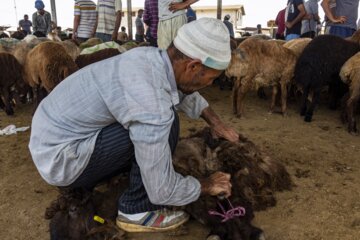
column 291, row 36
column 104, row 37
column 343, row 32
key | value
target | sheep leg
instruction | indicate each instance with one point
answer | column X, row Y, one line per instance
column 240, row 101
column 35, row 97
column 283, row 98
column 235, row 94
column 310, row 111
column 304, row 101
column 7, row 102
column 273, row 98
column 351, row 106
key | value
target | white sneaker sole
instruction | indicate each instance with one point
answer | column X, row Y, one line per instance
column 134, row 228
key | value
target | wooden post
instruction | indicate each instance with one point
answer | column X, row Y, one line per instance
column 129, row 18
column 53, row 11
column 219, row 9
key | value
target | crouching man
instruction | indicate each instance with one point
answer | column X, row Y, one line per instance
column 119, row 114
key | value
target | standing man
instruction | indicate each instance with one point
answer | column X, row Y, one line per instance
column 41, row 19
column 190, row 14
column 151, row 19
column 295, row 12
column 125, row 116
column 172, row 16
column 280, row 22
column 342, row 18
column 108, row 19
column 84, row 20
column 311, row 19
column 25, row 24
column 229, row 25
column 140, row 31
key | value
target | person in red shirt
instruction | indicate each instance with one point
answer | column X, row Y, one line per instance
column 280, row 22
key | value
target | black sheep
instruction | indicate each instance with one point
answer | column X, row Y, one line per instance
column 319, row 65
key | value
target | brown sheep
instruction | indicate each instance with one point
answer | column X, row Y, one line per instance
column 11, row 81
column 87, row 59
column 45, row 67
column 260, row 63
column 297, row 45
column 71, row 48
column 350, row 74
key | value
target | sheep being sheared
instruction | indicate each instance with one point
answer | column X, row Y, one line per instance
column 350, row 74
column 45, row 67
column 260, row 63
column 78, row 214
column 254, row 177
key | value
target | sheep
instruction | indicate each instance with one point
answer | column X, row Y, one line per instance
column 90, row 43
column 350, row 74
column 254, row 177
column 11, row 81
column 297, row 45
column 71, row 48
column 73, row 215
column 319, row 65
column 53, row 37
column 87, row 59
column 46, row 66
column 101, row 46
column 259, row 63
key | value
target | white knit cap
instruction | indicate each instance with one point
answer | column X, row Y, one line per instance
column 206, row 39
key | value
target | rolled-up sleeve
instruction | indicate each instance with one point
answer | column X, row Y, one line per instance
column 152, row 151
column 192, row 105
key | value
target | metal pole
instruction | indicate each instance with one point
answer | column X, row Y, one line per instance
column 129, row 18
column 219, row 9
column 53, row 11
column 16, row 16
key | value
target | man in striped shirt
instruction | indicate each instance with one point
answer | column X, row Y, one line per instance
column 84, row 20
column 108, row 19
column 120, row 113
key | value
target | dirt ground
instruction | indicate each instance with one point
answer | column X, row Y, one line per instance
column 322, row 158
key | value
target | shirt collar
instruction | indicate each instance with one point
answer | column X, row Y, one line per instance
column 170, row 76
column 169, row 70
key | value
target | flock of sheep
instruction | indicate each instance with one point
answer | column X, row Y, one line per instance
column 300, row 64
column 34, row 66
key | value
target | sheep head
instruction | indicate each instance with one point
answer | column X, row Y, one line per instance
column 238, row 65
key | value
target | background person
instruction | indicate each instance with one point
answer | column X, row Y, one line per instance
column 84, row 20
column 41, row 19
column 25, row 24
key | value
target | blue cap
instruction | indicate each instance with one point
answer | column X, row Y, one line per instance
column 39, row 5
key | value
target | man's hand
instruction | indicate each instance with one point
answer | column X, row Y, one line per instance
column 218, row 128
column 223, row 131
column 288, row 25
column 217, row 184
column 178, row 6
column 339, row 19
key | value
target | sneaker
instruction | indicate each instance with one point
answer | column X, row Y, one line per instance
column 154, row 221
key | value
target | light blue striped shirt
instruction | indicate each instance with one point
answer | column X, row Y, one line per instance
column 136, row 89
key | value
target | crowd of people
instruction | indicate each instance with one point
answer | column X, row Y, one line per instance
column 301, row 19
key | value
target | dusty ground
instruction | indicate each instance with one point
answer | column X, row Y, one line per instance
column 322, row 158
